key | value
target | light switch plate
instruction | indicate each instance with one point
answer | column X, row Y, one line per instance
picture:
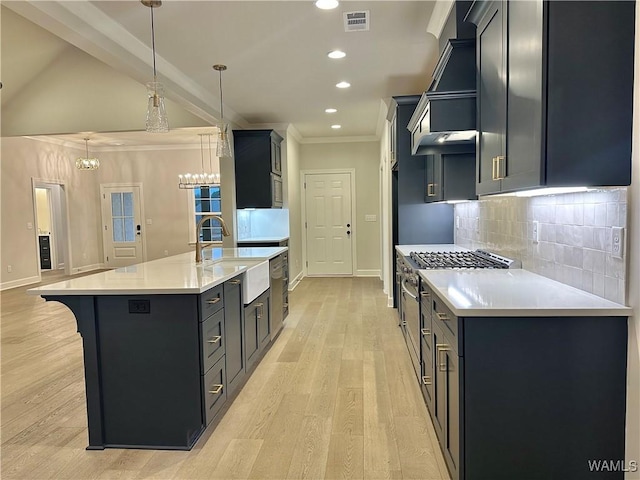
column 617, row 242
column 370, row 218
column 535, row 234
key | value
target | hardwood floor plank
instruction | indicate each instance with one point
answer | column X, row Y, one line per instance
column 417, row 457
column 311, row 449
column 238, row 459
column 349, row 412
column 346, row 457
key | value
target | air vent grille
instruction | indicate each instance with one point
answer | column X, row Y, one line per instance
column 356, row 21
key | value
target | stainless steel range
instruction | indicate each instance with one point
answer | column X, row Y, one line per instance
column 408, row 279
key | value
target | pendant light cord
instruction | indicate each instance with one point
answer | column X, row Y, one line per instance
column 221, row 103
column 153, row 45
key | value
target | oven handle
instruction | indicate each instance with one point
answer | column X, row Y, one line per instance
column 415, row 297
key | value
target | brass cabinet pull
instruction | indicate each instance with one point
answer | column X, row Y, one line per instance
column 215, row 339
column 217, row 389
column 425, row 331
column 426, row 380
column 441, row 348
column 214, row 301
column 442, row 316
column 501, row 167
column 494, row 169
column 234, row 282
column 431, row 190
column 259, row 306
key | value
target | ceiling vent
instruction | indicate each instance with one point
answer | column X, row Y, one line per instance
column 356, row 21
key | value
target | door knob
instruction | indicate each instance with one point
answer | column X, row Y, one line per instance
column 348, row 225
column 348, row 232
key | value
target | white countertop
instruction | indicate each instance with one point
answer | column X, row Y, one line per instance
column 434, row 247
column 262, row 239
column 178, row 274
column 514, row 293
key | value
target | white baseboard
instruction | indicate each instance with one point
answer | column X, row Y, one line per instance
column 294, row 283
column 87, row 268
column 368, row 273
column 21, row 282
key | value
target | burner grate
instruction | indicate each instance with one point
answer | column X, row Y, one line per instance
column 445, row 260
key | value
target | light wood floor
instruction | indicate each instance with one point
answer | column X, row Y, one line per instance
column 334, row 398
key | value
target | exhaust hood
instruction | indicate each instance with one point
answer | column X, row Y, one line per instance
column 446, row 113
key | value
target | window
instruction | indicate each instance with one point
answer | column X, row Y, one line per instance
column 207, row 201
column 122, row 217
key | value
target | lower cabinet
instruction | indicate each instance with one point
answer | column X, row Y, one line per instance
column 234, row 335
column 524, row 397
column 213, row 387
column 257, row 333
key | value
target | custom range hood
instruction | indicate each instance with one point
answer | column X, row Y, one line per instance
column 446, row 113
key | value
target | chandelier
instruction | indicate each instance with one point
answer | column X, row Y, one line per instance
column 157, row 121
column 87, row 163
column 198, row 180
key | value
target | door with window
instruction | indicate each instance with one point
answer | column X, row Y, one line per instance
column 122, row 225
column 329, row 227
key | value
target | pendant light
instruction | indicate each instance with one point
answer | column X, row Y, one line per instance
column 197, row 180
column 157, row 121
column 87, row 163
column 223, row 149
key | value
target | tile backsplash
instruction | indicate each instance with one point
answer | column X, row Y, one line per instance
column 262, row 222
column 574, row 236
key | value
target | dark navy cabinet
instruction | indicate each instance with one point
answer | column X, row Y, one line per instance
column 258, row 168
column 555, row 93
column 450, row 174
column 234, row 335
column 256, row 328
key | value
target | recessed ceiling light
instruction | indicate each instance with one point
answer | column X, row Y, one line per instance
column 343, row 85
column 330, row 110
column 335, row 127
column 326, row 4
column 336, row 54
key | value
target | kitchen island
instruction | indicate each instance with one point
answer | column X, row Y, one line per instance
column 524, row 377
column 164, row 344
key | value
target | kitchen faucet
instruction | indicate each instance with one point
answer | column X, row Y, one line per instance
column 199, row 245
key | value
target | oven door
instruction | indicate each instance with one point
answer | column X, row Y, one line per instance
column 411, row 322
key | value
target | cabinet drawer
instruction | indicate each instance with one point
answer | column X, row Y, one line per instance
column 212, row 340
column 214, row 388
column 210, row 302
column 446, row 320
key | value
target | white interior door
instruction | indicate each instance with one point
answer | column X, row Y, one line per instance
column 122, row 225
column 329, row 223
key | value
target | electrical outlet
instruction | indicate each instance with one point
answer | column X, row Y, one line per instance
column 535, row 234
column 370, row 218
column 9, row 268
column 617, row 242
column 149, row 221
column 29, row 226
column 166, row 253
column 457, row 221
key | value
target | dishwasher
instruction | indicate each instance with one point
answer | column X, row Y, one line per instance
column 276, row 275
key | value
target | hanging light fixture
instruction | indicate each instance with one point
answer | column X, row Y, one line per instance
column 87, row 163
column 223, row 149
column 157, row 121
column 197, row 180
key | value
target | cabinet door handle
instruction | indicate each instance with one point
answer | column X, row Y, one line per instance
column 426, row 380
column 501, row 167
column 440, row 349
column 425, row 331
column 442, row 316
column 431, row 190
column 494, row 169
column 234, row 282
column 213, row 301
column 260, row 307
column 215, row 339
column 216, row 390
column 425, row 294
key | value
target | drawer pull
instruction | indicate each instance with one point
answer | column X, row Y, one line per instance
column 261, row 311
column 234, row 282
column 442, row 316
column 425, row 294
column 215, row 339
column 425, row 331
column 426, row 380
column 216, row 390
column 214, row 301
column 441, row 348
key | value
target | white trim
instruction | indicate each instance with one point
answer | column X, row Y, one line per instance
column 21, row 282
column 295, row 282
column 88, row 268
column 368, row 273
column 439, row 17
column 71, row 143
column 354, row 213
column 357, row 139
column 389, row 301
column 143, row 217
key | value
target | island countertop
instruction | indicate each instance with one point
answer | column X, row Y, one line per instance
column 177, row 274
column 514, row 293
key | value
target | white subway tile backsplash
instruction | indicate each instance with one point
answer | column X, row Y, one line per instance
column 574, row 235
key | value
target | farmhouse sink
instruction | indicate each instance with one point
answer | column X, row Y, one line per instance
column 256, row 277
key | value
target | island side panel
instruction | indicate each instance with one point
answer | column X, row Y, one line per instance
column 543, row 396
column 149, row 348
column 83, row 308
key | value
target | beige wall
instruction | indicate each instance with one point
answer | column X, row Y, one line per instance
column 364, row 157
column 294, row 203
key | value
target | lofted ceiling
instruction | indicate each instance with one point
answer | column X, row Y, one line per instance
column 276, row 53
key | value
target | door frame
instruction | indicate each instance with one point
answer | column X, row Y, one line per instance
column 354, row 222
column 66, row 242
column 143, row 222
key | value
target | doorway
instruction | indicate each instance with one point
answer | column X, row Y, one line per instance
column 122, row 235
column 51, row 227
column 328, row 219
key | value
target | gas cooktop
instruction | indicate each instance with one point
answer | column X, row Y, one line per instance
column 466, row 260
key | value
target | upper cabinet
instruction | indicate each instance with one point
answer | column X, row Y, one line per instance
column 555, row 93
column 449, row 174
column 258, row 168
